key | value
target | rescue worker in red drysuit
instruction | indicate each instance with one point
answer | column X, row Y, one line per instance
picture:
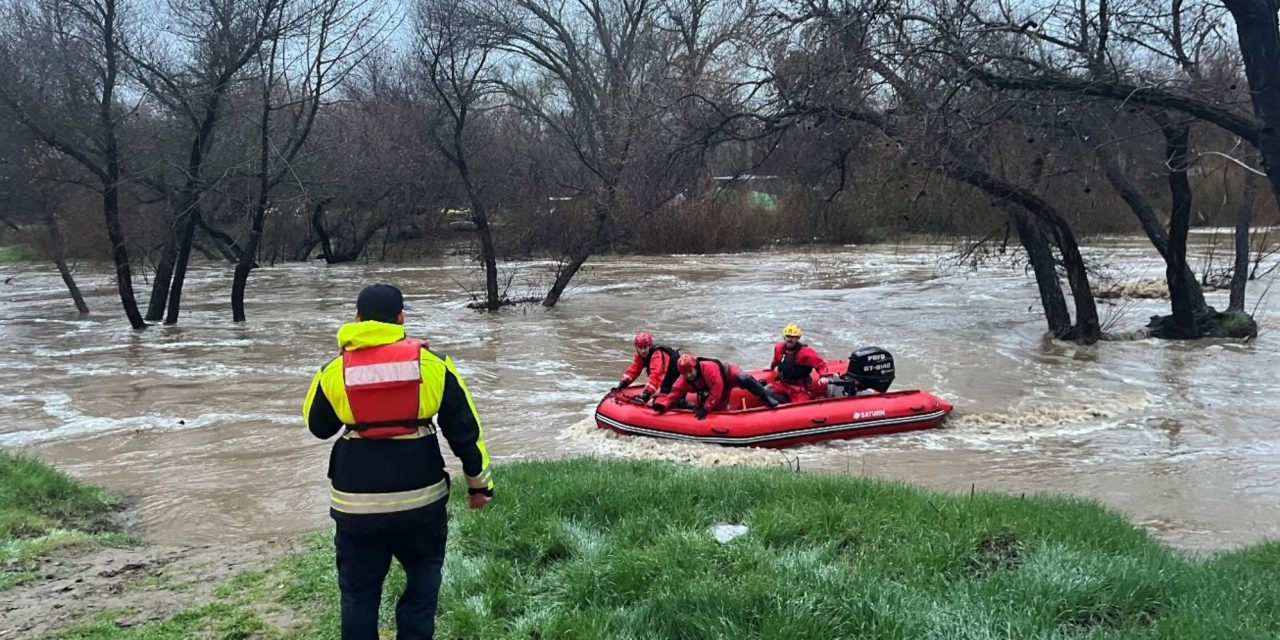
column 387, row 395
column 659, row 360
column 712, row 380
column 795, row 362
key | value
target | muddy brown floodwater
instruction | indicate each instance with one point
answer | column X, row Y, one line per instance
column 199, row 422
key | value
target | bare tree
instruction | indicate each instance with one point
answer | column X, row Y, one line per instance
column 59, row 73
column 455, row 57
column 857, row 62
column 34, row 179
column 319, row 41
column 1072, row 56
column 219, row 39
column 590, row 73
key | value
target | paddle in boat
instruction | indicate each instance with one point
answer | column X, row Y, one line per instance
column 852, row 400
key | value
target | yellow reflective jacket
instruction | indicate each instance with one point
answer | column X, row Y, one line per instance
column 393, row 479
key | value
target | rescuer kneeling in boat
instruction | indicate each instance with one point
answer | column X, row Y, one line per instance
column 795, row 362
column 389, row 486
column 712, row 380
column 659, row 360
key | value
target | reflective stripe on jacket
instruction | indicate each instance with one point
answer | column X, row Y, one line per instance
column 380, row 477
column 382, row 384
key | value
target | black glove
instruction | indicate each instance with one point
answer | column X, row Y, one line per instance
column 622, row 384
column 700, row 412
column 644, row 397
column 659, row 407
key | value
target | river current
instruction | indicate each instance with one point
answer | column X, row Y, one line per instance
column 199, row 423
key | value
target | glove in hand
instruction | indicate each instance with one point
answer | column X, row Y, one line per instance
column 700, row 412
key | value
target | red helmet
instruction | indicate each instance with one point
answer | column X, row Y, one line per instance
column 686, row 363
column 644, row 340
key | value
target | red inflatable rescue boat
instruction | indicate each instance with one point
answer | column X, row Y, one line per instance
column 749, row 422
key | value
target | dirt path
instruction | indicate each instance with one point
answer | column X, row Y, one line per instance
column 146, row 583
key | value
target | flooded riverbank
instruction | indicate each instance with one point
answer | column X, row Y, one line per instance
column 200, row 421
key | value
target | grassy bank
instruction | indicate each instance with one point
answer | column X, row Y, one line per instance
column 41, row 510
column 611, row 549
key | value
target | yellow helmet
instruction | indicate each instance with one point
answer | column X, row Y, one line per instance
column 791, row 331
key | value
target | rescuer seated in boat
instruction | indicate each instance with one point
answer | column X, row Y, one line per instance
column 656, row 359
column 795, row 362
column 712, row 380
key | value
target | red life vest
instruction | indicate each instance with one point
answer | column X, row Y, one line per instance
column 382, row 388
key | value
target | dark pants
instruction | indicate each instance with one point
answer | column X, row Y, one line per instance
column 765, row 394
column 363, row 562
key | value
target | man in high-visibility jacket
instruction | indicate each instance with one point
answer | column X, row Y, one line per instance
column 389, row 486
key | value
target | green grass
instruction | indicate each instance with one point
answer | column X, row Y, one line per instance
column 42, row 510
column 612, row 549
column 14, row 253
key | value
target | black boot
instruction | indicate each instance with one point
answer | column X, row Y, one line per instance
column 759, row 390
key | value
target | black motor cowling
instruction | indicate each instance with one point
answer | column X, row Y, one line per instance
column 871, row 368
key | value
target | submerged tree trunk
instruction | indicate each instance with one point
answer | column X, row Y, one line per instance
column 963, row 165
column 163, row 278
column 58, row 252
column 189, row 212
column 1188, row 287
column 1087, row 329
column 259, row 215
column 317, row 223
column 186, row 233
column 119, row 252
column 247, row 256
column 584, row 247
column 1240, row 269
column 1040, row 255
column 1186, row 315
column 481, row 220
column 563, row 276
column 479, row 217
column 356, row 248
column 111, row 184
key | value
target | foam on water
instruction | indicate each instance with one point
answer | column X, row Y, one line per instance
column 73, row 423
column 586, row 435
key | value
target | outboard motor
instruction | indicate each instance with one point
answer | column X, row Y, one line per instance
column 869, row 368
column 872, row 368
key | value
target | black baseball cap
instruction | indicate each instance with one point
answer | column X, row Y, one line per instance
column 380, row 302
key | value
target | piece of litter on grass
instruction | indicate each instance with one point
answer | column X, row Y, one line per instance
column 724, row 532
